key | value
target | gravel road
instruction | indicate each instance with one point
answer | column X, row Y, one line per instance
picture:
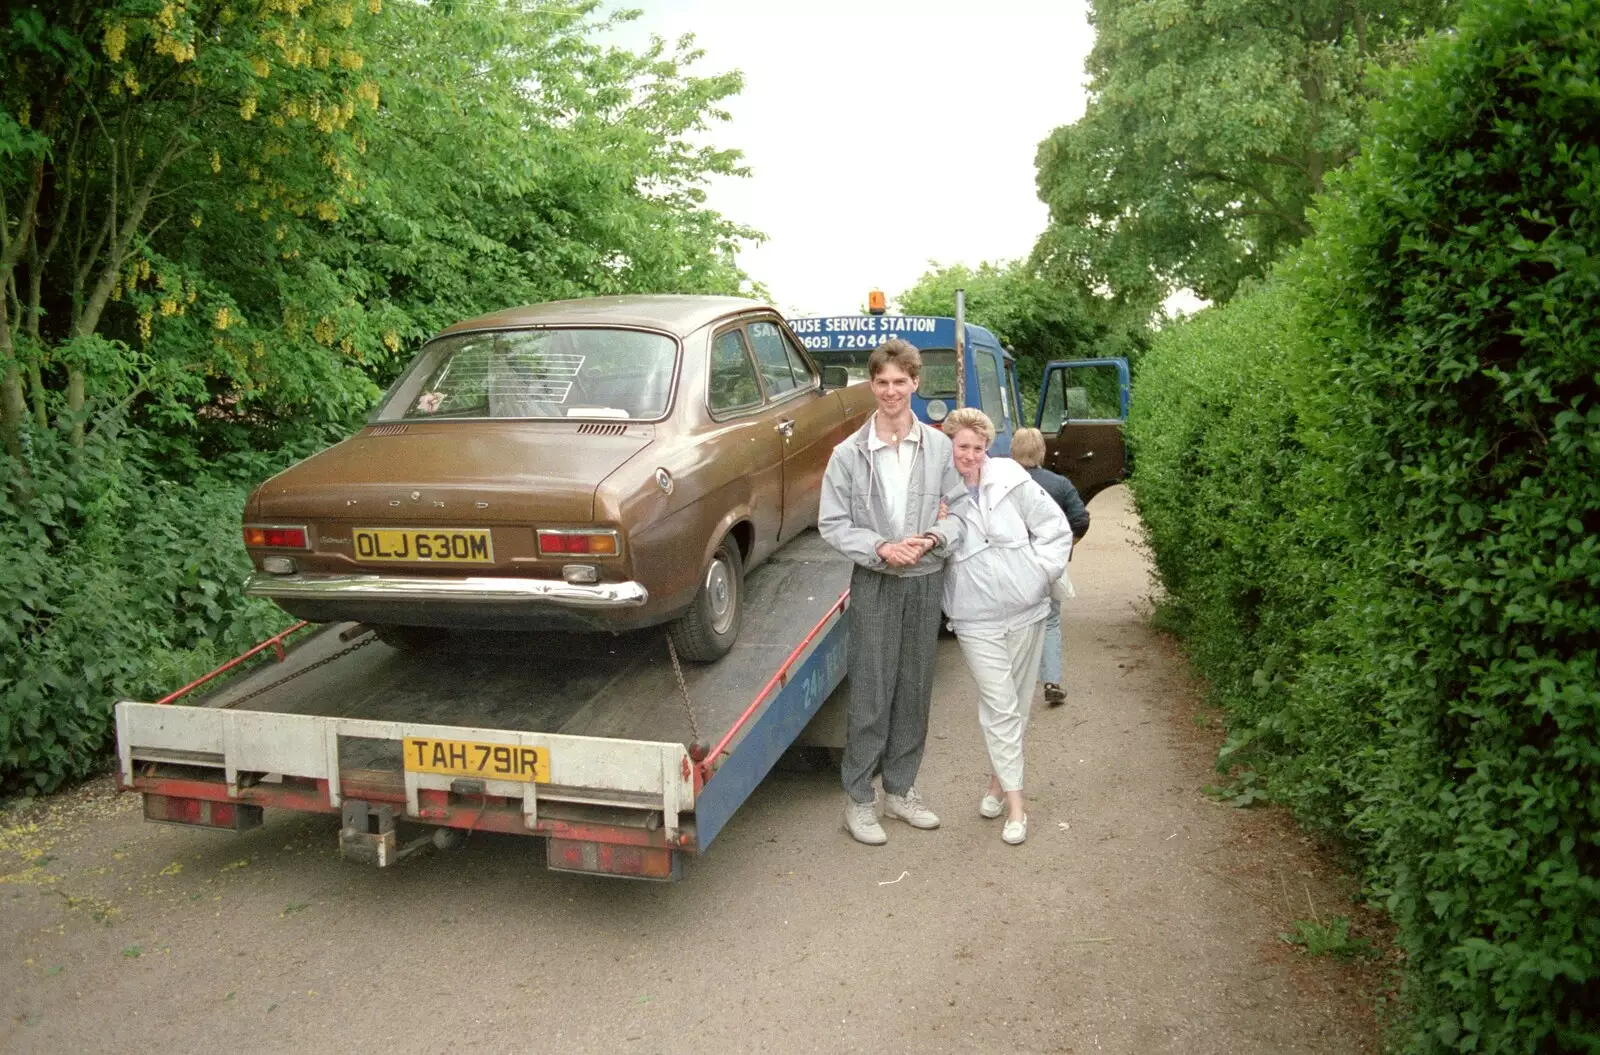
column 1139, row 917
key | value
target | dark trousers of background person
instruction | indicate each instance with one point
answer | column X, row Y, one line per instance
column 894, row 631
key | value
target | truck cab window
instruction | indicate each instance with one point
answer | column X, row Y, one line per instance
column 989, row 390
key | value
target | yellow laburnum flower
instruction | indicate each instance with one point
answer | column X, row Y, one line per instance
column 351, row 60
column 258, row 350
column 131, row 81
column 280, row 232
column 323, row 332
column 324, row 57
column 144, row 324
column 223, row 318
column 144, row 269
column 343, row 15
column 375, row 6
column 247, row 108
column 116, row 39
column 261, row 67
column 194, row 220
column 24, row 113
column 216, row 161
column 367, row 92
column 327, row 211
column 167, row 17
column 346, row 345
column 391, row 341
column 169, row 306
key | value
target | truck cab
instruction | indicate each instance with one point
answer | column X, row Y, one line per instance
column 1081, row 405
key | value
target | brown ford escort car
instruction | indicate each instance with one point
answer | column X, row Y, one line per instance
column 603, row 464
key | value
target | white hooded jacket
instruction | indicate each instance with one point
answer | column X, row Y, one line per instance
column 1016, row 544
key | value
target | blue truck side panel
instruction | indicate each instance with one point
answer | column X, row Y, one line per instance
column 810, row 683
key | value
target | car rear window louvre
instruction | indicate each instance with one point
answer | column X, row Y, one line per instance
column 589, row 428
column 388, row 430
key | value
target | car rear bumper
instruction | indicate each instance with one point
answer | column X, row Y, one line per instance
column 473, row 590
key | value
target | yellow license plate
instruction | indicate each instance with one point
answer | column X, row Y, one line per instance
column 431, row 546
column 466, row 758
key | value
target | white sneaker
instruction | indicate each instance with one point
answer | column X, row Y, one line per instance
column 991, row 807
column 861, row 820
column 1015, row 831
column 911, row 809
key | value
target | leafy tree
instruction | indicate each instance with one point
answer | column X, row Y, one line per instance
column 1210, row 126
column 128, row 121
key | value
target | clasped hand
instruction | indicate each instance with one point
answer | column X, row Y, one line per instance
column 904, row 553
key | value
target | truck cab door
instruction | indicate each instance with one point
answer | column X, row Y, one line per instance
column 1082, row 406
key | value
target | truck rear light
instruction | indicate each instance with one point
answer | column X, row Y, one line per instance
column 635, row 862
column 274, row 536
column 553, row 542
column 174, row 809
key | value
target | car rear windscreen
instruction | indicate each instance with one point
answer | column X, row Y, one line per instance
column 545, row 373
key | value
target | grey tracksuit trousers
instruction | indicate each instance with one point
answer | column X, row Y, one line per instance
column 894, row 630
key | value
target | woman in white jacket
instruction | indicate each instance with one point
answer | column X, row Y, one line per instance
column 997, row 594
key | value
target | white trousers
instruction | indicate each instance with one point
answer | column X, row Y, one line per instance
column 1005, row 666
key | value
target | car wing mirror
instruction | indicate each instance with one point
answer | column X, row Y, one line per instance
column 835, row 377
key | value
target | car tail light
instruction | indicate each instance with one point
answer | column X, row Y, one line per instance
column 591, row 543
column 267, row 536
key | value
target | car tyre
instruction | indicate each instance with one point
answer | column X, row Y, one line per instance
column 711, row 625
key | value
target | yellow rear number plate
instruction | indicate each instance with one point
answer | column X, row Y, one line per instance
column 465, row 758
column 433, row 546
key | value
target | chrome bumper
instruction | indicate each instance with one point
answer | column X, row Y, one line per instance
column 473, row 589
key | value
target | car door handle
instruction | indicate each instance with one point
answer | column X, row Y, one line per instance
column 785, row 428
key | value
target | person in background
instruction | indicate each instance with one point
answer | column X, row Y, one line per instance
column 997, row 593
column 883, row 505
column 1027, row 449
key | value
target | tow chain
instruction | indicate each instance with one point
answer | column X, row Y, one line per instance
column 683, row 691
column 307, row 669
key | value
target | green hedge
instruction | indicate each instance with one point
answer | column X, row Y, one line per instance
column 1372, row 492
column 116, row 584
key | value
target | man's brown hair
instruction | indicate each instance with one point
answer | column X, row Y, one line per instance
column 901, row 353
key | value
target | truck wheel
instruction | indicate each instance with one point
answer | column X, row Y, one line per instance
column 408, row 638
column 711, row 625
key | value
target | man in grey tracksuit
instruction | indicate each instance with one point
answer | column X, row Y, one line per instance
column 880, row 507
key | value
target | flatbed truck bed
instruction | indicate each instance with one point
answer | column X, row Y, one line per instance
column 623, row 759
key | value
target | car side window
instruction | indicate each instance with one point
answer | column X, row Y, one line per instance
column 733, row 376
column 804, row 375
column 773, row 359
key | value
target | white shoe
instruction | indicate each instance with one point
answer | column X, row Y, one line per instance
column 991, row 807
column 911, row 809
column 861, row 820
column 1015, row 831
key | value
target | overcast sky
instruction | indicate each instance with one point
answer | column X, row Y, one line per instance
column 882, row 134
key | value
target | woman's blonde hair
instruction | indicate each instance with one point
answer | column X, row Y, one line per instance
column 1027, row 447
column 969, row 418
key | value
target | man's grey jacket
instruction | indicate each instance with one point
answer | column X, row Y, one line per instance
column 852, row 517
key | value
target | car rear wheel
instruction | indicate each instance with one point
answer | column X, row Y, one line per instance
column 711, row 625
